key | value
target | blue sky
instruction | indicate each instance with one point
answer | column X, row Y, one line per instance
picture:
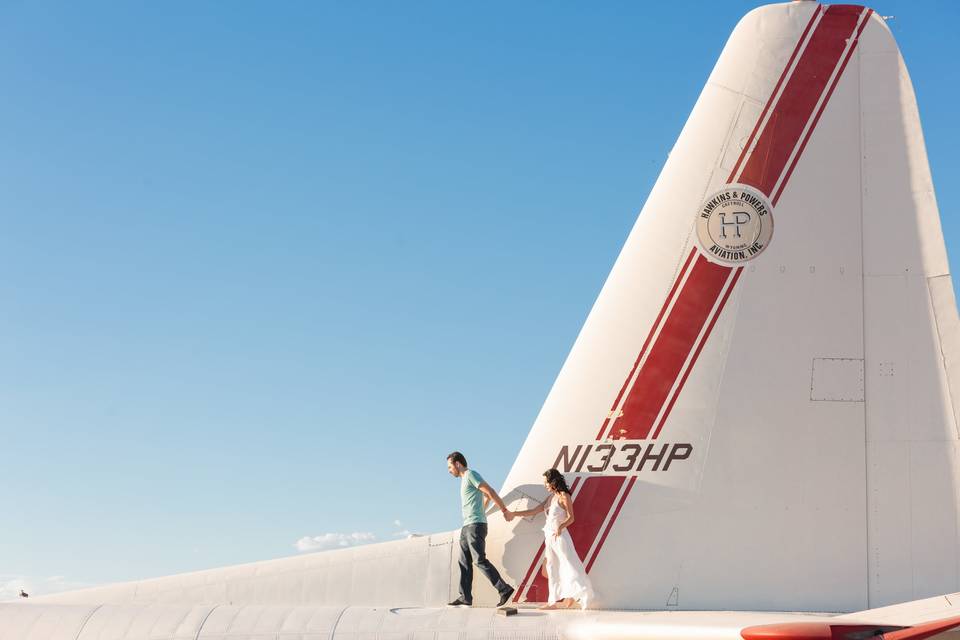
column 264, row 265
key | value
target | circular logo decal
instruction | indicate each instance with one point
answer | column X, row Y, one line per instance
column 735, row 224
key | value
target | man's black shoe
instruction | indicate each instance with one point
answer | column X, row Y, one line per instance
column 460, row 602
column 505, row 596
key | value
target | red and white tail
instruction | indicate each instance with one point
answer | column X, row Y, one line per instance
column 770, row 407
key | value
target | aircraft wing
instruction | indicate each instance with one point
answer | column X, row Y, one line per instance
column 157, row 621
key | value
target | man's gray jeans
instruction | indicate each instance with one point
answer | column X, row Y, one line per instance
column 473, row 542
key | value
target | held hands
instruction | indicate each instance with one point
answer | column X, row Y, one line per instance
column 507, row 514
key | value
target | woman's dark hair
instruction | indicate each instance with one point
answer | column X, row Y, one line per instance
column 456, row 456
column 556, row 481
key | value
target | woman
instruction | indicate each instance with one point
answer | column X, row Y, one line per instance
column 568, row 580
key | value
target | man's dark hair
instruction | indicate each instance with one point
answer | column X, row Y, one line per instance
column 456, row 456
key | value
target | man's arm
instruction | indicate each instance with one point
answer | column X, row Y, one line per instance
column 490, row 494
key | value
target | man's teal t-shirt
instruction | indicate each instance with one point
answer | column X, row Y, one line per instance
column 471, row 498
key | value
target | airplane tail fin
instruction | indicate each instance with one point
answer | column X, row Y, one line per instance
column 771, row 402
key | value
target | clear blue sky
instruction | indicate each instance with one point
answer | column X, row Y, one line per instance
column 263, row 265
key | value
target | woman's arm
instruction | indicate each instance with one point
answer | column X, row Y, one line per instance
column 532, row 512
column 567, row 505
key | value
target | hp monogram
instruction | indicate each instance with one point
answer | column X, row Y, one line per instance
column 735, row 224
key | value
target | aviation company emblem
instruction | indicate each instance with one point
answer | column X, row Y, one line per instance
column 735, row 224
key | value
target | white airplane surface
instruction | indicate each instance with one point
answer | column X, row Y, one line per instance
column 756, row 418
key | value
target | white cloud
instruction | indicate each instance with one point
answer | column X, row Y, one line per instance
column 327, row 541
column 10, row 586
column 404, row 533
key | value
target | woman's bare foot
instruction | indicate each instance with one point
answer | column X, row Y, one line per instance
column 549, row 607
column 568, row 603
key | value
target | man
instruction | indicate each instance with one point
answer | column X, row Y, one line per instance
column 474, row 494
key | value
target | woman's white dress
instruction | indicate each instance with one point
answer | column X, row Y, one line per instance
column 565, row 573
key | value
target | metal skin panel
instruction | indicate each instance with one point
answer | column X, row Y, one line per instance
column 439, row 587
column 944, row 305
column 933, row 483
column 761, row 486
column 255, row 622
column 24, row 622
column 361, row 575
column 837, row 380
column 132, row 622
column 902, row 224
column 912, row 466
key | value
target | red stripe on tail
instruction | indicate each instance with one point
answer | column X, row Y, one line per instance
column 776, row 88
column 613, row 519
column 799, row 98
column 803, row 145
column 646, row 343
column 696, row 354
column 669, row 352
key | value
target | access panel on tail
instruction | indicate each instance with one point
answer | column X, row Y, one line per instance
column 758, row 416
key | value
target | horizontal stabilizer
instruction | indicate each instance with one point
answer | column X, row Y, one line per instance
column 848, row 631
